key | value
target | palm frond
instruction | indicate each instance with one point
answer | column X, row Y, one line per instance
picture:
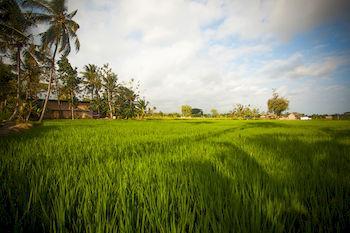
column 40, row 17
column 59, row 6
column 39, row 4
column 72, row 14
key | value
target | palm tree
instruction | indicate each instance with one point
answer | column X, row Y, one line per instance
column 62, row 28
column 14, row 37
column 141, row 106
column 92, row 79
column 110, row 85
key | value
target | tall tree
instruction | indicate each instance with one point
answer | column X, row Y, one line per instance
column 110, row 85
column 62, row 28
column 186, row 110
column 92, row 80
column 7, row 84
column 14, row 36
column 141, row 106
column 32, row 74
column 277, row 104
column 214, row 113
column 125, row 102
column 70, row 80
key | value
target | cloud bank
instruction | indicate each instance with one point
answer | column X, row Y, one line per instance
column 213, row 54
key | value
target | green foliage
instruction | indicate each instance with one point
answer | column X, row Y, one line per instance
column 214, row 113
column 176, row 176
column 186, row 110
column 245, row 112
column 92, row 80
column 277, row 104
column 141, row 106
column 7, row 82
column 61, row 26
column 69, row 77
column 125, row 102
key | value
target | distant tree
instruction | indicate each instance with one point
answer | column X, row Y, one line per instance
column 277, row 104
column 110, row 85
column 244, row 112
column 92, row 80
column 70, row 79
column 186, row 110
column 255, row 113
column 214, row 113
column 141, row 107
column 125, row 103
column 238, row 111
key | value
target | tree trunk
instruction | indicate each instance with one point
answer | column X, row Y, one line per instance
column 72, row 107
column 98, row 102
column 49, row 86
column 60, row 115
column 110, row 105
column 18, row 83
column 30, row 111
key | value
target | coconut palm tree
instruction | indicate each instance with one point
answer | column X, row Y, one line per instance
column 110, row 85
column 14, row 37
column 141, row 106
column 62, row 28
column 92, row 79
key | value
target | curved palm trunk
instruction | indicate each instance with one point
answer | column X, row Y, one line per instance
column 18, row 83
column 50, row 83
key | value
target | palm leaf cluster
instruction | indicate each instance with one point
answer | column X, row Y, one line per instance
column 18, row 49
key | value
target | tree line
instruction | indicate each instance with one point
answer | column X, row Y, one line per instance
column 29, row 66
column 276, row 105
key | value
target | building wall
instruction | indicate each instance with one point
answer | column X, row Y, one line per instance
column 63, row 111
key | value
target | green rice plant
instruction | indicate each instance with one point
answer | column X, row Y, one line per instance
column 176, row 176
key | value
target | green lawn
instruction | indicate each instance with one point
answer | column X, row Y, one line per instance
column 177, row 176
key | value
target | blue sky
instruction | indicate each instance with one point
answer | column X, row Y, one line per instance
column 214, row 54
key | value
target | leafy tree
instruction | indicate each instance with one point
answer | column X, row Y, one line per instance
column 214, row 112
column 238, row 111
column 14, row 37
column 7, row 88
column 186, row 110
column 32, row 75
column 277, row 104
column 141, row 107
column 125, row 102
column 92, row 80
column 244, row 112
column 110, row 85
column 61, row 29
column 93, row 84
column 70, row 79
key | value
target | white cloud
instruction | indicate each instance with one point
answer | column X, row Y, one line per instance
column 172, row 47
column 295, row 67
column 282, row 18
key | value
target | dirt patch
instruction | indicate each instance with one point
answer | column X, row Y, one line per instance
column 12, row 127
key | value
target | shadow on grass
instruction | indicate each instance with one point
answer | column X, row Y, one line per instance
column 319, row 174
column 264, row 124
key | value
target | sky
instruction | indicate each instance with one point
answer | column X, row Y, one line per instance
column 218, row 53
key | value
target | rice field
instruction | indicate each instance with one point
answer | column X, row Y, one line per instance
column 176, row 176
